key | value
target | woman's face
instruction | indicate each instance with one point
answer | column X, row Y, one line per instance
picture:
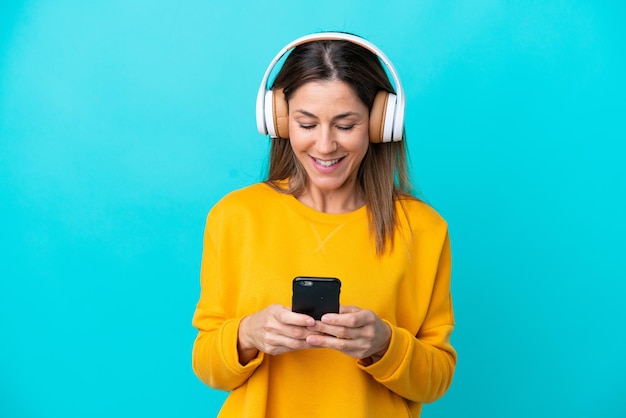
column 329, row 134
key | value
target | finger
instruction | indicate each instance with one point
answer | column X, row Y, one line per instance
column 333, row 330
column 281, row 344
column 322, row 340
column 284, row 338
column 293, row 318
column 348, row 309
column 353, row 319
column 288, row 324
column 279, row 321
column 346, row 346
column 356, row 348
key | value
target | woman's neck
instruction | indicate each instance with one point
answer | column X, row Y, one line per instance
column 336, row 201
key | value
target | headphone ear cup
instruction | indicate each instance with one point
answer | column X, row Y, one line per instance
column 268, row 114
column 280, row 114
column 382, row 117
column 378, row 116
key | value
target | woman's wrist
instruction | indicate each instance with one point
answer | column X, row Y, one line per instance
column 247, row 351
column 380, row 353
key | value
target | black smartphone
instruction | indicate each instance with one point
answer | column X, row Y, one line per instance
column 315, row 296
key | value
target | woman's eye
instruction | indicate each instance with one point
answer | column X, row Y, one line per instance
column 345, row 127
column 307, row 126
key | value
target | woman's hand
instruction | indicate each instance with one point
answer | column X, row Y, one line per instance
column 354, row 331
column 273, row 330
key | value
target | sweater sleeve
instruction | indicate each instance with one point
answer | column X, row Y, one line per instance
column 215, row 359
column 420, row 367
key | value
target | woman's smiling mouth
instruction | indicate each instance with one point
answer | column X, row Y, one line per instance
column 326, row 163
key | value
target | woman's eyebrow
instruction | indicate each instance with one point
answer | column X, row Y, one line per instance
column 305, row 113
column 346, row 115
column 336, row 117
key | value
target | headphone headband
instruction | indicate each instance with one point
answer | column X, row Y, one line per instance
column 397, row 128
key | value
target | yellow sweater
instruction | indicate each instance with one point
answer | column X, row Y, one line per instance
column 257, row 240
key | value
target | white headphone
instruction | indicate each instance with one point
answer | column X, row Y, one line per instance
column 386, row 115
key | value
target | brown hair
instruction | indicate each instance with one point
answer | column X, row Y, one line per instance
column 383, row 174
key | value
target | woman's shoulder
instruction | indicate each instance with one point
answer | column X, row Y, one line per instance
column 246, row 197
column 420, row 214
column 249, row 193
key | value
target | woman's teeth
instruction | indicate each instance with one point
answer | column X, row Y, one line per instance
column 326, row 163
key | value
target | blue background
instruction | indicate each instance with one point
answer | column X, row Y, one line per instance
column 122, row 123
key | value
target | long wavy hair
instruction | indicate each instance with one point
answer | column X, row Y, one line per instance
column 383, row 175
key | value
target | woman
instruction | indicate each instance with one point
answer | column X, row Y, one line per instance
column 336, row 203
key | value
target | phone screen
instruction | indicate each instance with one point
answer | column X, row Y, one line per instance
column 315, row 296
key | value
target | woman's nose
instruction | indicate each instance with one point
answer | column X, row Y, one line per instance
column 326, row 143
